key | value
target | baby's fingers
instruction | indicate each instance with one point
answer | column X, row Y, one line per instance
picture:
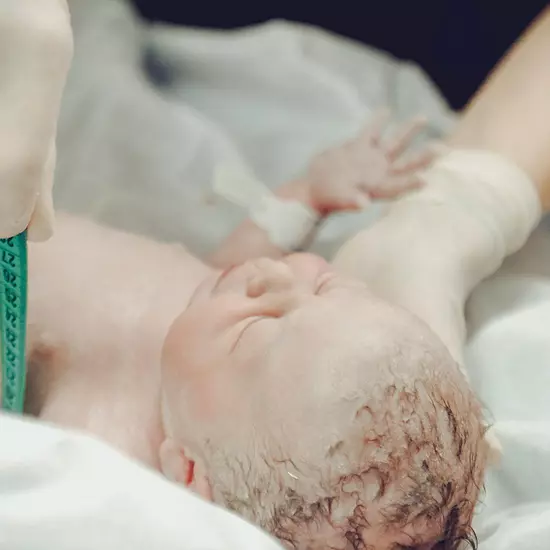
column 413, row 163
column 395, row 146
column 373, row 131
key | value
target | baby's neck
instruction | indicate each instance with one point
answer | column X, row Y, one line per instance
column 98, row 326
column 175, row 285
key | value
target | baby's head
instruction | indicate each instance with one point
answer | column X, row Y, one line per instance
column 314, row 409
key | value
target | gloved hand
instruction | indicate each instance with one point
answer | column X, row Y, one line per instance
column 367, row 167
column 65, row 491
column 35, row 53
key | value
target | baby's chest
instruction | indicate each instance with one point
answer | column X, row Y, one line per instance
column 109, row 388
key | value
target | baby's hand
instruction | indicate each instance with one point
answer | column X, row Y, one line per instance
column 350, row 176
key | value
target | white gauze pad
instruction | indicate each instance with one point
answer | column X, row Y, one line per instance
column 287, row 223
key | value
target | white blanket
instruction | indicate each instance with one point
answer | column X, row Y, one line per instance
column 148, row 113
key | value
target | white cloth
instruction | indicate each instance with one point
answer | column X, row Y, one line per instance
column 286, row 223
column 487, row 208
column 508, row 352
column 65, row 491
column 270, row 97
column 508, row 357
column 437, row 243
column 493, row 192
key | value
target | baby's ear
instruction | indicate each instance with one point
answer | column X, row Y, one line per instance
column 177, row 467
column 173, row 462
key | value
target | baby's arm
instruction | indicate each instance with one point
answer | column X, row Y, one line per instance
column 343, row 178
column 249, row 240
column 480, row 203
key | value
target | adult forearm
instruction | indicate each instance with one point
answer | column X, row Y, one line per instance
column 510, row 114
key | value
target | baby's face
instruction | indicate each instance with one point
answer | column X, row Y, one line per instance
column 249, row 349
column 287, row 363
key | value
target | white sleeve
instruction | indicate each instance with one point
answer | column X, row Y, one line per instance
column 435, row 245
column 66, row 491
column 492, row 203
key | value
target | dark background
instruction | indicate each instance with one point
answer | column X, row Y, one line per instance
column 457, row 42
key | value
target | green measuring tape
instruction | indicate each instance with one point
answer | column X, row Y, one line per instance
column 13, row 320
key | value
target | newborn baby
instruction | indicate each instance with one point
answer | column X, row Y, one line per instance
column 300, row 395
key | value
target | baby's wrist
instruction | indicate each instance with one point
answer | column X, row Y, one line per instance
column 302, row 191
column 290, row 217
column 297, row 190
column 289, row 223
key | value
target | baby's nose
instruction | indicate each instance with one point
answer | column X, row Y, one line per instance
column 272, row 276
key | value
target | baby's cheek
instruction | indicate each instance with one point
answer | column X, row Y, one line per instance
column 208, row 411
column 195, row 387
column 185, row 350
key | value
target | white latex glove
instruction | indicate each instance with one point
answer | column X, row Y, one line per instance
column 35, row 53
column 63, row 491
